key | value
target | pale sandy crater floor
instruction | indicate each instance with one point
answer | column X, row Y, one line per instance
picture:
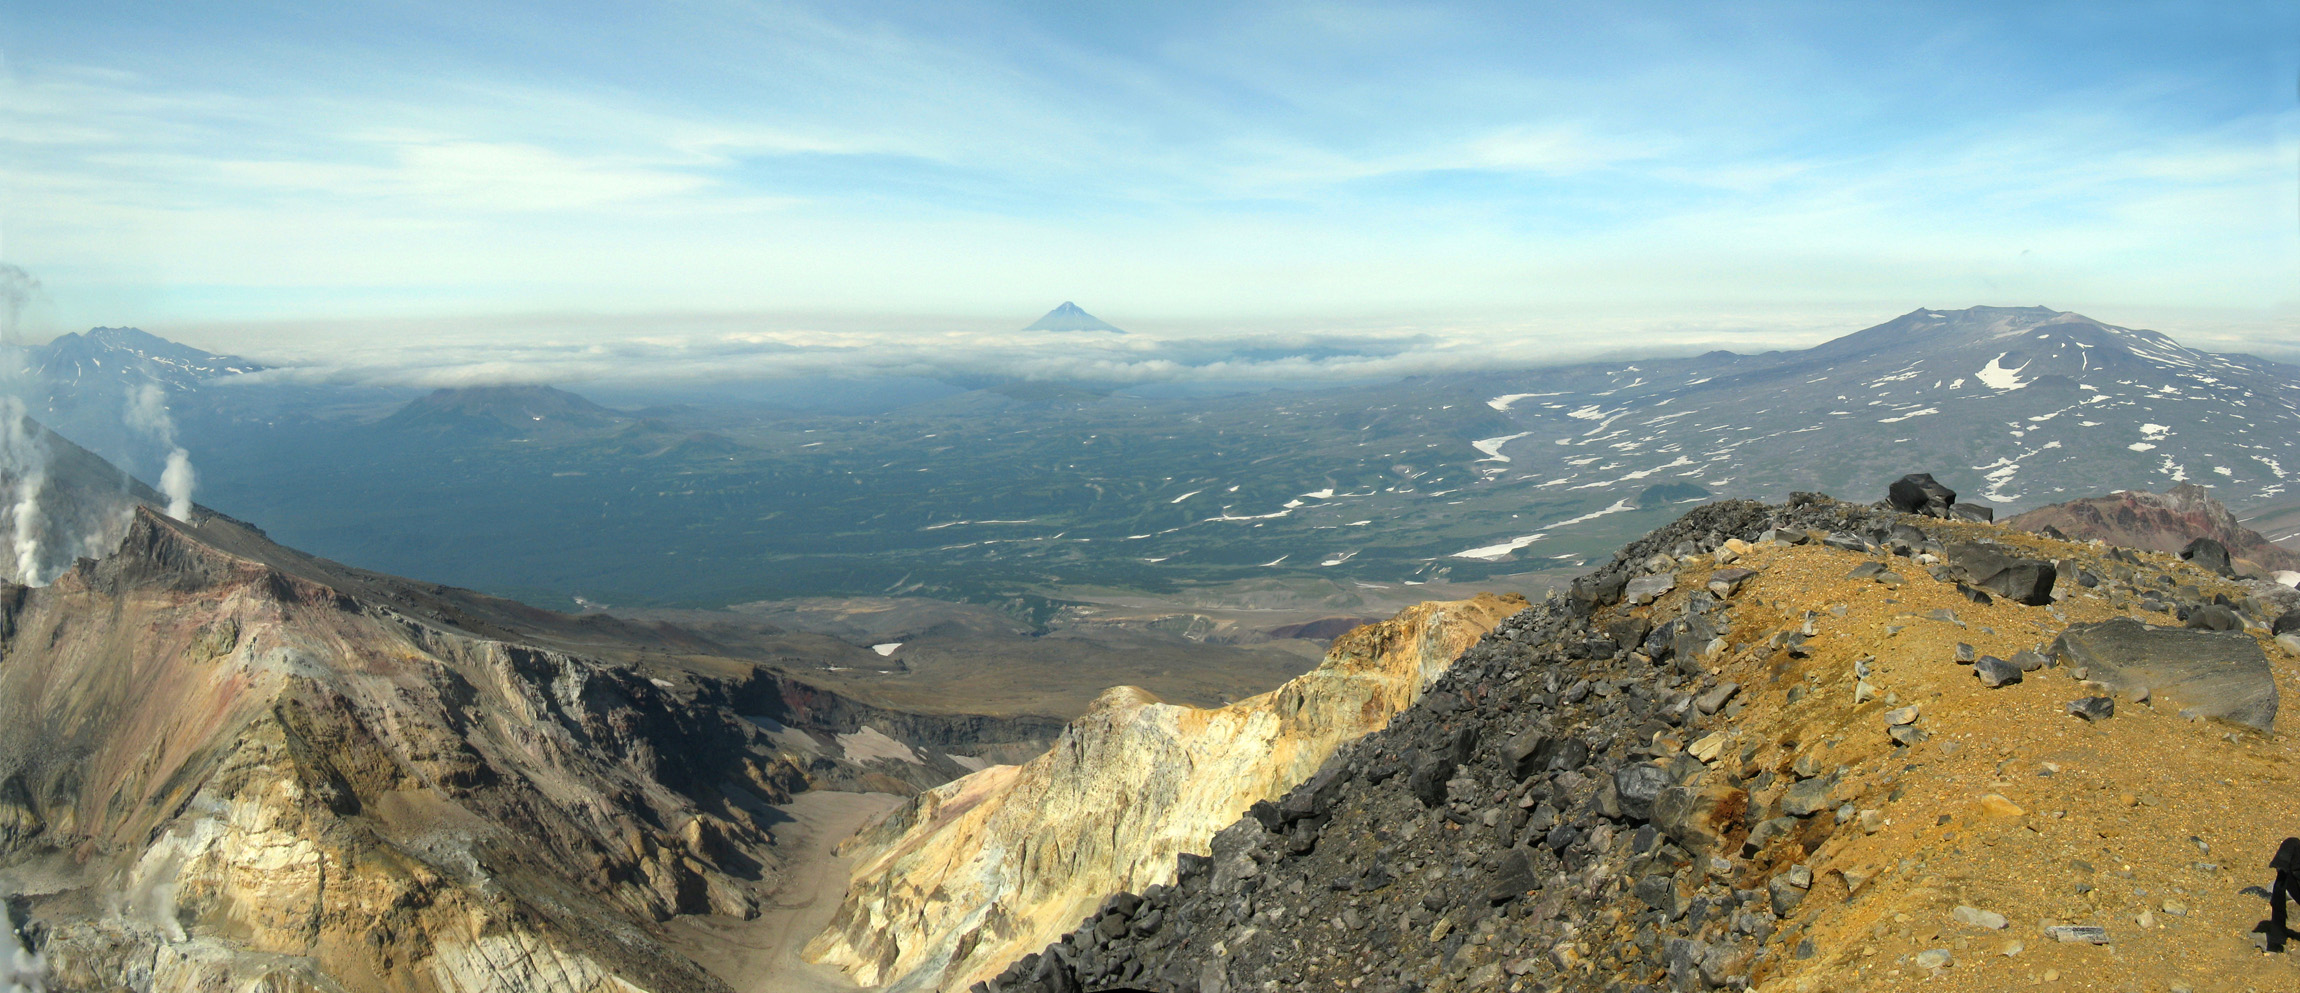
column 762, row 955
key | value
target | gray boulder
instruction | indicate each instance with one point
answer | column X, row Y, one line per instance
column 1637, row 784
column 1987, row 567
column 1807, row 798
column 2209, row 554
column 1514, row 879
column 1701, row 817
column 1646, row 589
column 2220, row 674
column 1919, row 493
column 1995, row 672
column 2214, row 617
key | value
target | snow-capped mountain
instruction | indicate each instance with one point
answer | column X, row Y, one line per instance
column 2011, row 406
column 120, row 392
column 118, row 357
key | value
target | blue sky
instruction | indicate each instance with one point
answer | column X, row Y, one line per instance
column 251, row 173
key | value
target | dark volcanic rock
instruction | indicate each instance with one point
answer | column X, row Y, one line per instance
column 2209, row 554
column 1701, row 818
column 1973, row 512
column 1637, row 785
column 1994, row 672
column 1439, row 864
column 2214, row 617
column 1989, row 568
column 1918, row 493
column 2219, row 674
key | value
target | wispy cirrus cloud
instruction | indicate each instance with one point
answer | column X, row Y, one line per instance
column 1412, row 164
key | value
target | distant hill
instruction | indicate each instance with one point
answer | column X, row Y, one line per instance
column 502, row 411
column 2011, row 406
column 1069, row 317
column 2159, row 522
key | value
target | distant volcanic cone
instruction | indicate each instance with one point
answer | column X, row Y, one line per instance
column 1069, row 317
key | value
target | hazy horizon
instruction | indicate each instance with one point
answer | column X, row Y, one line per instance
column 1178, row 170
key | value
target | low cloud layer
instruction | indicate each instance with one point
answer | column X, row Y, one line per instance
column 433, row 358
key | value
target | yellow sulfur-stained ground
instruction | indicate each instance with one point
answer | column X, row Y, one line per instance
column 2011, row 805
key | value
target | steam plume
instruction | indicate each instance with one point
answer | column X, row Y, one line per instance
column 20, row 970
column 24, row 459
column 176, row 481
column 17, row 288
column 147, row 411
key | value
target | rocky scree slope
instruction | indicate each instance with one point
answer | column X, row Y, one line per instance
column 227, row 764
column 969, row 875
column 1807, row 747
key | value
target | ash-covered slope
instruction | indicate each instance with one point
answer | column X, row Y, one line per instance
column 2160, row 522
column 967, row 876
column 1792, row 748
column 224, row 763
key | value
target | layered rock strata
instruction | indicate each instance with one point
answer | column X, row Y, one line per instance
column 952, row 886
column 228, row 766
column 2160, row 522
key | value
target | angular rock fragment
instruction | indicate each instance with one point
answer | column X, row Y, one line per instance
column 1979, row 918
column 2093, row 708
column 1646, row 589
column 1846, row 541
column 1919, row 493
column 2092, row 934
column 2210, row 554
column 1715, row 700
column 1987, row 567
column 2221, row 674
column 2214, row 617
column 1699, row 818
column 1807, row 798
column 1514, row 879
column 1428, row 778
column 1766, row 832
column 1994, row 672
column 1662, row 893
column 1725, row 582
column 1637, row 784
